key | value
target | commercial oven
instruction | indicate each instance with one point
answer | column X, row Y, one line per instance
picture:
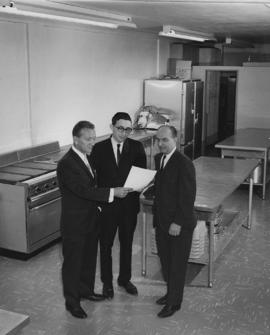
column 30, row 203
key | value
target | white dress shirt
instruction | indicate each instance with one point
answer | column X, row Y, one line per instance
column 85, row 160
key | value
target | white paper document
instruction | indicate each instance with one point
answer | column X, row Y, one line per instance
column 139, row 178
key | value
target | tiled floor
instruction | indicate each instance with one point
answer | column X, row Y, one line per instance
column 238, row 304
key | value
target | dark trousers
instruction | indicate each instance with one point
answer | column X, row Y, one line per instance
column 114, row 217
column 174, row 253
column 79, row 266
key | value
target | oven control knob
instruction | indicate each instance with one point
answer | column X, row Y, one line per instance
column 37, row 189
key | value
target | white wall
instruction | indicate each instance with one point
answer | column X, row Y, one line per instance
column 253, row 94
column 52, row 76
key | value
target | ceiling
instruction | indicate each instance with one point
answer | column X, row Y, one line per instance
column 245, row 20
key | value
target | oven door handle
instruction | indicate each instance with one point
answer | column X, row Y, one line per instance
column 45, row 204
column 37, row 197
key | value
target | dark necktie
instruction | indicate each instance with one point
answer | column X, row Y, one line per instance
column 162, row 162
column 118, row 153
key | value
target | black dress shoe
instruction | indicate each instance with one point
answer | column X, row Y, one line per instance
column 94, row 297
column 162, row 300
column 76, row 311
column 107, row 291
column 129, row 287
column 168, row 310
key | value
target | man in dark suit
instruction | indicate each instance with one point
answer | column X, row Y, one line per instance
column 80, row 198
column 113, row 159
column 174, row 219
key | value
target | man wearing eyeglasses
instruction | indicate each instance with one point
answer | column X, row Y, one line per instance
column 113, row 159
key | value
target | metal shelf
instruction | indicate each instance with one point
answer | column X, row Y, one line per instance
column 231, row 222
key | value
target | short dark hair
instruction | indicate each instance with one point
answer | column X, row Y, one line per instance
column 120, row 116
column 76, row 131
column 172, row 129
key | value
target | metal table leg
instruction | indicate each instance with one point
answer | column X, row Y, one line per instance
column 144, row 244
column 151, row 152
column 211, row 253
column 251, row 181
column 264, row 173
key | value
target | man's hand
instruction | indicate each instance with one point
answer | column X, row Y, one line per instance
column 121, row 192
column 174, row 229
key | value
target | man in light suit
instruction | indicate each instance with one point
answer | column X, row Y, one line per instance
column 113, row 159
column 174, row 219
column 80, row 201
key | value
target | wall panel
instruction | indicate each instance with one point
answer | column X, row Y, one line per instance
column 14, row 93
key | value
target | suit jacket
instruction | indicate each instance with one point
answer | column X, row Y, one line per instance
column 80, row 195
column 175, row 191
column 109, row 174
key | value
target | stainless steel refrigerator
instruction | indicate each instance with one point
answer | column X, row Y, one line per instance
column 184, row 98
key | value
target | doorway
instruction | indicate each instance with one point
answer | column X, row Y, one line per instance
column 220, row 105
column 226, row 113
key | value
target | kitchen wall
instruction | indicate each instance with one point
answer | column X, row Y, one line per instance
column 253, row 98
column 53, row 75
column 238, row 56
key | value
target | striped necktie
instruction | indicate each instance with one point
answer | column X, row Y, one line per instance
column 88, row 166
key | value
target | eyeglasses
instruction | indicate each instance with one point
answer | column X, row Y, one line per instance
column 127, row 130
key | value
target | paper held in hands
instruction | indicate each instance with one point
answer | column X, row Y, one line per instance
column 139, row 178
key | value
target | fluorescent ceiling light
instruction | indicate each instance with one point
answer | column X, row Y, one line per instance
column 23, row 13
column 177, row 32
column 75, row 9
column 98, row 20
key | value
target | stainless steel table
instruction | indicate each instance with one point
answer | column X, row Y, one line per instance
column 249, row 143
column 216, row 179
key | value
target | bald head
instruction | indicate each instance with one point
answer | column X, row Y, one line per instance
column 166, row 138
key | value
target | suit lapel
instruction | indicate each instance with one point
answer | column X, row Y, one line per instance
column 110, row 152
column 124, row 153
column 80, row 163
column 170, row 161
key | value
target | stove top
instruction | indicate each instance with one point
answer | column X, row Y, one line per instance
column 30, row 163
column 36, row 165
column 9, row 178
column 52, row 158
column 22, row 171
